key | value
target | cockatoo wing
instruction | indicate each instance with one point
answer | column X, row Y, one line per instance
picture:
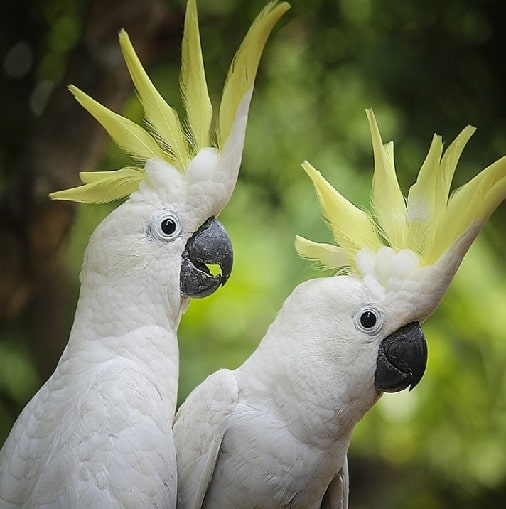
column 101, row 458
column 199, row 433
column 336, row 496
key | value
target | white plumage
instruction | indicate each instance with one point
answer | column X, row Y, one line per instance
column 99, row 432
column 274, row 433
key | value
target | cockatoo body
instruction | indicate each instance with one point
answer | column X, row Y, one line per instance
column 274, row 433
column 99, row 432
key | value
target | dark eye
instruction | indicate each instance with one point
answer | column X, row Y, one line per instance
column 368, row 319
column 168, row 226
column 164, row 226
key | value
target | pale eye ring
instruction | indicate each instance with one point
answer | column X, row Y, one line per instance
column 369, row 320
column 165, row 225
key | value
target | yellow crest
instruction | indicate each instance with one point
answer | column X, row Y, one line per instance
column 164, row 136
column 427, row 223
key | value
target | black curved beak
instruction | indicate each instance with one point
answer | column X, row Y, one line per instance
column 402, row 358
column 209, row 245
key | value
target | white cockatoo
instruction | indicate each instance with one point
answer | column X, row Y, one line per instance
column 98, row 434
column 274, row 433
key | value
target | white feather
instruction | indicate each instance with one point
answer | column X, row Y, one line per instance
column 283, row 441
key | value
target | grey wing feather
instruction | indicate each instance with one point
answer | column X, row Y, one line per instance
column 336, row 496
column 199, row 427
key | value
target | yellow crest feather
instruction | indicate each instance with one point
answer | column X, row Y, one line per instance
column 162, row 119
column 193, row 80
column 474, row 201
column 166, row 138
column 102, row 186
column 351, row 227
column 387, row 200
column 327, row 255
column 421, row 203
column 430, row 221
column 131, row 137
column 242, row 71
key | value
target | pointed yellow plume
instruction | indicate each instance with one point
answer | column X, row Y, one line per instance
column 131, row 137
column 352, row 228
column 243, row 69
column 103, row 186
column 474, row 202
column 387, row 200
column 427, row 224
column 421, row 206
column 327, row 255
column 165, row 137
column 161, row 118
column 428, row 197
column 193, row 80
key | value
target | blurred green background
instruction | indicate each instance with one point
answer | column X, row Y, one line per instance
column 424, row 66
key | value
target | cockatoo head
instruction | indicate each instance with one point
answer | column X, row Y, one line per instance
column 184, row 175
column 405, row 252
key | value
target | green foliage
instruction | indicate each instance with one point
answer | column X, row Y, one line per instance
column 18, row 376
